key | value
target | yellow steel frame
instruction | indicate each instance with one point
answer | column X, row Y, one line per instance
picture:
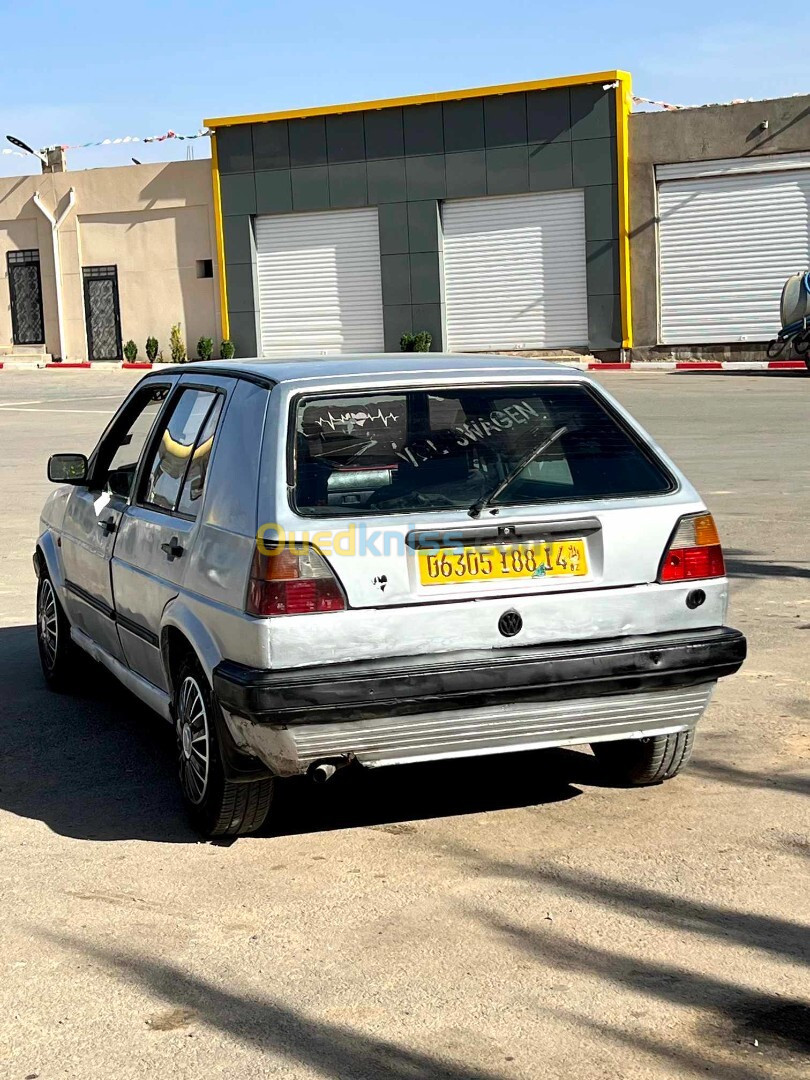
column 623, row 107
column 224, row 318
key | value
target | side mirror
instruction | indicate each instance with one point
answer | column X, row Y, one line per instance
column 67, row 468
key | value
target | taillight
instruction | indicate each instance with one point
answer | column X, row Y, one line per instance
column 694, row 550
column 288, row 582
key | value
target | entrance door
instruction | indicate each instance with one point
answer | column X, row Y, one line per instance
column 102, row 312
column 515, row 271
column 730, row 233
column 25, row 286
column 320, row 289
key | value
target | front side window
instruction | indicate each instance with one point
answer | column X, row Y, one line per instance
column 378, row 453
column 120, row 452
column 175, row 475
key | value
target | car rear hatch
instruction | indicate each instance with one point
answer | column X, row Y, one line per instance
column 491, row 494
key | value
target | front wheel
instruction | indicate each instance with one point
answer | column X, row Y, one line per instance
column 216, row 806
column 638, row 762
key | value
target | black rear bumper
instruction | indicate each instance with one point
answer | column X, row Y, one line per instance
column 366, row 689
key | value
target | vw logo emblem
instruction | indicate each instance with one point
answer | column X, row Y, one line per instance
column 510, row 623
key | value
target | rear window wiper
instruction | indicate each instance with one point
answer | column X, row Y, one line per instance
column 487, row 500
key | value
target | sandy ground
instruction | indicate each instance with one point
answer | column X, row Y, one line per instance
column 503, row 919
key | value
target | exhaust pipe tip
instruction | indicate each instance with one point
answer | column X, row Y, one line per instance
column 323, row 772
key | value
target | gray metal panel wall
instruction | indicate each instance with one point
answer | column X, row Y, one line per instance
column 406, row 159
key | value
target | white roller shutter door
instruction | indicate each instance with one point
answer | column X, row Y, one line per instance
column 514, row 271
column 319, row 283
column 728, row 240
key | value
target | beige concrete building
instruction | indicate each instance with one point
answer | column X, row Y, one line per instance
column 93, row 258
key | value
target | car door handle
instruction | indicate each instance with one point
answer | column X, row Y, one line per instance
column 174, row 549
column 107, row 526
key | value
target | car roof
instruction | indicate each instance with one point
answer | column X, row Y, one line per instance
column 324, row 368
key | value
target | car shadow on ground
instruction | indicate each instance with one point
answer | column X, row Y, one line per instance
column 749, row 564
column 97, row 765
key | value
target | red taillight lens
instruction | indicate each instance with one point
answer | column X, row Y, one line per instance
column 694, row 551
column 287, row 582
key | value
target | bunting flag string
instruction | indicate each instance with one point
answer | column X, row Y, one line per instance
column 662, row 104
column 126, row 139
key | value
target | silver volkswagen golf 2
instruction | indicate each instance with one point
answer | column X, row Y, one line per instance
column 313, row 563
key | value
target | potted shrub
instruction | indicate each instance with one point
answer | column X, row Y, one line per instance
column 205, row 348
column 177, row 345
column 130, row 352
column 420, row 342
column 151, row 349
column 227, row 350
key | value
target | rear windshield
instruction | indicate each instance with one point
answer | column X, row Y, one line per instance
column 421, row 450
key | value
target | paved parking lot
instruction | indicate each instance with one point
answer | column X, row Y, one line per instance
column 502, row 919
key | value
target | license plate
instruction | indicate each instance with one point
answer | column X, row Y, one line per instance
column 507, row 562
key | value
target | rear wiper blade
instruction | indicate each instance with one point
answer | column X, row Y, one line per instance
column 487, row 500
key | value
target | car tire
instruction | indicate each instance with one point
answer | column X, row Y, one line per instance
column 216, row 806
column 57, row 653
column 638, row 762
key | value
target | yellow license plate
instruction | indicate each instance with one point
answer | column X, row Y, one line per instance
column 507, row 562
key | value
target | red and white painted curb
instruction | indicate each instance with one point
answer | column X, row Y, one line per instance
column 694, row 365
column 662, row 366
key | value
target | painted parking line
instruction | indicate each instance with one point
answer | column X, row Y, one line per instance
column 19, row 408
column 53, row 401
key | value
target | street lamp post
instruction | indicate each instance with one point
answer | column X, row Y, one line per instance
column 24, row 146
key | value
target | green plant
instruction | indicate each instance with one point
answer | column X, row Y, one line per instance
column 130, row 351
column 205, row 348
column 177, row 345
column 227, row 350
column 151, row 348
column 420, row 342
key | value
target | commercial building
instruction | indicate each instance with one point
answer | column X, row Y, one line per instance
column 720, row 218
column 90, row 259
column 493, row 218
column 528, row 217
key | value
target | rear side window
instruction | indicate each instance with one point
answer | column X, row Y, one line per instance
column 378, row 453
column 175, row 476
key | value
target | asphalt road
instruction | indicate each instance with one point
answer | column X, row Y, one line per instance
column 503, row 919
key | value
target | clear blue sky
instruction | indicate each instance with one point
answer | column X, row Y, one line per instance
column 72, row 72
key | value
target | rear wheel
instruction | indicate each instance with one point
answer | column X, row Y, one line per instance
column 645, row 761
column 57, row 653
column 216, row 806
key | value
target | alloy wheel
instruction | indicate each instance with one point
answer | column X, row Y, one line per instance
column 193, row 739
column 48, row 623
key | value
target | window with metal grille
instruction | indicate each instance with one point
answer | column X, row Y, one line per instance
column 17, row 257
